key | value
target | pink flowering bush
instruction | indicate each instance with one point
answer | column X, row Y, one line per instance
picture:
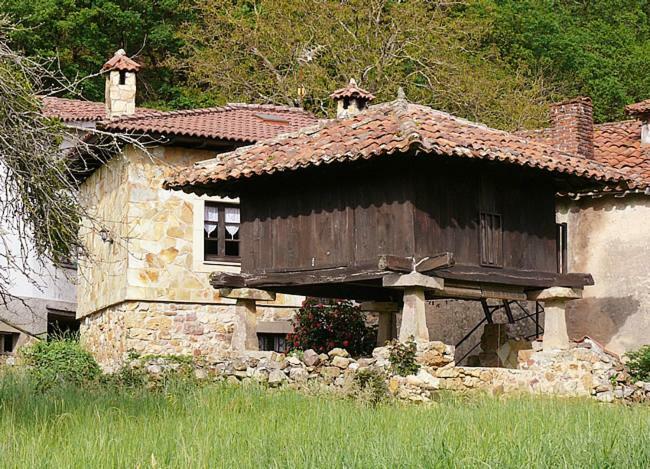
column 325, row 324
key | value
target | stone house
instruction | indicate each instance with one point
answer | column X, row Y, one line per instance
column 144, row 284
column 608, row 232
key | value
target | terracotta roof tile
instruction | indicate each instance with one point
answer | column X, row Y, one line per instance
column 78, row 110
column 618, row 144
column 352, row 91
column 638, row 108
column 387, row 128
column 236, row 122
column 121, row 63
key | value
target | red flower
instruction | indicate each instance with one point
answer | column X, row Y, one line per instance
column 345, row 343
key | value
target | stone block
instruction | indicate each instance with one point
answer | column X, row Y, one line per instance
column 247, row 294
column 338, row 352
column 341, row 362
column 310, row 358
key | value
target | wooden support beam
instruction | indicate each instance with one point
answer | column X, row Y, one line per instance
column 524, row 278
column 442, row 260
column 315, row 277
column 395, row 263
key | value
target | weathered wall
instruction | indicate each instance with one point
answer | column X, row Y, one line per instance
column 102, row 272
column 610, row 238
column 157, row 328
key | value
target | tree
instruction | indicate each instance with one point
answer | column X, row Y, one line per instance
column 82, row 34
column 598, row 48
column 293, row 52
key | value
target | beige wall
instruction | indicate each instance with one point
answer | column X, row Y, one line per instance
column 610, row 238
column 157, row 250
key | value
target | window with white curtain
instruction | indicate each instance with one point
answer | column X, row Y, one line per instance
column 221, row 225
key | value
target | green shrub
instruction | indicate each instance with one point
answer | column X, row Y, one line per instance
column 639, row 363
column 402, row 357
column 372, row 384
column 60, row 361
column 323, row 325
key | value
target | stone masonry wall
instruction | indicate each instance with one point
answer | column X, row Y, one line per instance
column 583, row 371
column 153, row 270
column 153, row 328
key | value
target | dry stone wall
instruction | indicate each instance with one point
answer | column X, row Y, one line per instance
column 583, row 371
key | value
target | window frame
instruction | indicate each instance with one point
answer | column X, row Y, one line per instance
column 490, row 239
column 221, row 256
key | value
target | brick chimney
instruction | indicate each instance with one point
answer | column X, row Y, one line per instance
column 572, row 124
column 120, row 85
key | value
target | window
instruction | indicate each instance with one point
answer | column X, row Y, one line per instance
column 562, row 250
column 221, row 232
column 272, row 342
column 491, row 239
column 7, row 342
column 122, row 77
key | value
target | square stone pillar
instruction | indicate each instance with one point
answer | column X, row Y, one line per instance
column 245, row 333
column 555, row 300
column 386, row 311
column 414, row 320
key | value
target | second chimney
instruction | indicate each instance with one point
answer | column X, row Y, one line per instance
column 572, row 123
column 120, row 85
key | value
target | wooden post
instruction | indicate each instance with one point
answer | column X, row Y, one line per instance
column 414, row 320
column 555, row 299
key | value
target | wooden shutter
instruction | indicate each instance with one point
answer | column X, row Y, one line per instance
column 491, row 242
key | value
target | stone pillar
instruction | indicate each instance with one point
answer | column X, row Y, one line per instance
column 386, row 311
column 555, row 300
column 245, row 334
column 414, row 320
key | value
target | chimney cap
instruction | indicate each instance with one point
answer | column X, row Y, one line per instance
column 352, row 91
column 121, row 63
column 642, row 107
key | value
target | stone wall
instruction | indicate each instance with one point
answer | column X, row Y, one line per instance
column 102, row 272
column 156, row 328
column 583, row 371
column 155, row 258
column 610, row 238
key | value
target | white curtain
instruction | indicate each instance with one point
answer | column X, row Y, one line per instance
column 211, row 218
column 232, row 216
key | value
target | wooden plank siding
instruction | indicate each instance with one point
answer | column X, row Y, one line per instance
column 348, row 215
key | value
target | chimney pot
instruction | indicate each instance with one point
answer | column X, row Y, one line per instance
column 351, row 100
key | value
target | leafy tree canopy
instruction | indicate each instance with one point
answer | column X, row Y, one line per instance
column 496, row 61
column 83, row 34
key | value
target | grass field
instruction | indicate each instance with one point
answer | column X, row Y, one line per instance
column 222, row 426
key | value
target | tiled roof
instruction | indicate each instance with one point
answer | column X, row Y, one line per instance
column 236, row 122
column 121, row 63
column 352, row 91
column 387, row 128
column 638, row 108
column 618, row 144
column 77, row 109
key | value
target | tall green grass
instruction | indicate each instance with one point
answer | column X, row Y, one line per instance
column 222, row 426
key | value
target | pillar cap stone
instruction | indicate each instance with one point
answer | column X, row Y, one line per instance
column 555, row 293
column 247, row 294
column 413, row 279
